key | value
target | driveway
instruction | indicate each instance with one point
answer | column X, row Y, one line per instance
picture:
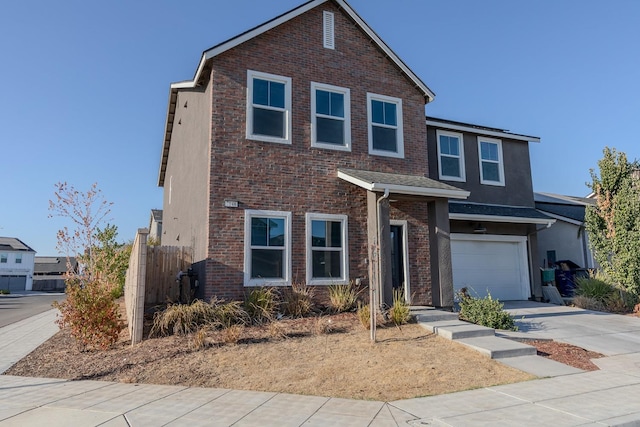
column 609, row 334
column 19, row 306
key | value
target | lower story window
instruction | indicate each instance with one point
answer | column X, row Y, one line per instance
column 267, row 248
column 326, row 249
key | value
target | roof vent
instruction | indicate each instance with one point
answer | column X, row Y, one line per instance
column 328, row 28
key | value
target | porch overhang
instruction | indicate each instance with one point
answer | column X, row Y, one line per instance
column 496, row 213
column 413, row 185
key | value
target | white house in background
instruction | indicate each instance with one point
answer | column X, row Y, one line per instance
column 567, row 239
column 16, row 265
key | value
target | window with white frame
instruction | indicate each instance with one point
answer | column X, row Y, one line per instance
column 384, row 115
column 327, row 249
column 267, row 248
column 450, row 156
column 491, row 162
column 268, row 107
column 18, row 258
column 4, row 258
column 330, row 117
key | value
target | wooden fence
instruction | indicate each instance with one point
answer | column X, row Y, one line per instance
column 151, row 279
column 163, row 265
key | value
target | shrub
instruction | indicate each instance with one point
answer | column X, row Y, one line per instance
column 4, row 292
column 297, row 301
column 261, row 304
column 485, row 311
column 183, row 319
column 594, row 287
column 343, row 297
column 91, row 313
column 400, row 311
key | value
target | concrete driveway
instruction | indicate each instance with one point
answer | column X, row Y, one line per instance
column 609, row 334
column 22, row 305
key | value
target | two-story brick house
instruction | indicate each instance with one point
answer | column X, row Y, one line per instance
column 298, row 154
column 494, row 231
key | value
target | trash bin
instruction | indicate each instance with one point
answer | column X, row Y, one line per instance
column 566, row 273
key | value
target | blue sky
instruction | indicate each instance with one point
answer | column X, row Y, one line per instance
column 85, row 87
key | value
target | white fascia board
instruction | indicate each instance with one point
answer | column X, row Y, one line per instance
column 562, row 218
column 482, row 131
column 208, row 54
column 497, row 218
column 419, row 83
column 404, row 189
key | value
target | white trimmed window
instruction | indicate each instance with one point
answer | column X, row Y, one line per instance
column 4, row 258
column 491, row 161
column 384, row 115
column 327, row 257
column 450, row 156
column 268, row 107
column 330, row 117
column 18, row 258
column 267, row 253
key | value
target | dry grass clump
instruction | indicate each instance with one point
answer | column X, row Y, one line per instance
column 182, row 319
column 343, row 297
column 400, row 312
column 261, row 304
column 297, row 301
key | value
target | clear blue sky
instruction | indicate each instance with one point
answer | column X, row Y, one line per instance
column 85, row 87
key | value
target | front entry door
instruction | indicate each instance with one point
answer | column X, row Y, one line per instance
column 397, row 258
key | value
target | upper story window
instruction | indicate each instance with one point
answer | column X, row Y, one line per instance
column 327, row 257
column 450, row 156
column 330, row 117
column 4, row 258
column 267, row 248
column 268, row 107
column 18, row 258
column 385, row 125
column 491, row 161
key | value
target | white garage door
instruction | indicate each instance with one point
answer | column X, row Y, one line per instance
column 494, row 264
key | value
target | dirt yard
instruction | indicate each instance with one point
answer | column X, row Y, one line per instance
column 326, row 356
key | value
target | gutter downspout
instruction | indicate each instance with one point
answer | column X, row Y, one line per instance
column 373, row 305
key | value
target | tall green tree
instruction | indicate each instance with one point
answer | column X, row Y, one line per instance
column 614, row 222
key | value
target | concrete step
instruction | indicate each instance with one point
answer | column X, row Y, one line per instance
column 498, row 348
column 457, row 329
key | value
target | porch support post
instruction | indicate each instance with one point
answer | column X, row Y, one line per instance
column 379, row 240
column 440, row 251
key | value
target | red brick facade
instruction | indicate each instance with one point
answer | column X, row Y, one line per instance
column 298, row 178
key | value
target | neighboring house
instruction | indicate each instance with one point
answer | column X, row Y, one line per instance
column 50, row 271
column 298, row 154
column 16, row 265
column 494, row 232
column 567, row 239
column 155, row 225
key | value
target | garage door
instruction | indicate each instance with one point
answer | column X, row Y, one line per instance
column 13, row 283
column 491, row 264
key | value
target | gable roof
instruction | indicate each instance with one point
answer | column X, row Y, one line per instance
column 563, row 207
column 481, row 130
column 13, row 244
column 216, row 50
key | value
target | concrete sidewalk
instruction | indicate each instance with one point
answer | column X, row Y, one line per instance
column 605, row 397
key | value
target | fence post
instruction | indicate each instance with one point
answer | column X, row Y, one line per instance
column 135, row 286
